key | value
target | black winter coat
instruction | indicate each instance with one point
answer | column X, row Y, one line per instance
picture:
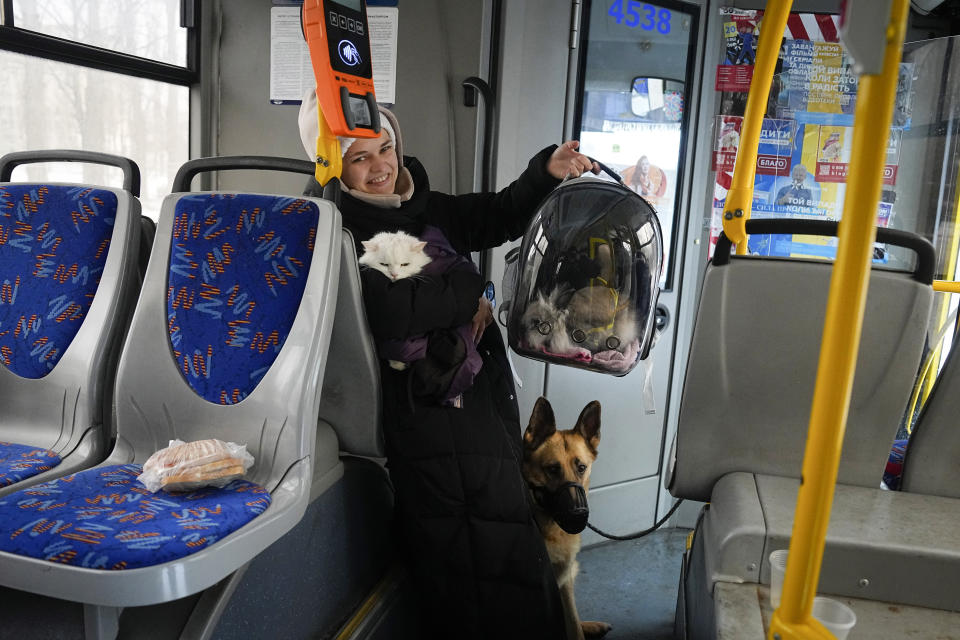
column 479, row 561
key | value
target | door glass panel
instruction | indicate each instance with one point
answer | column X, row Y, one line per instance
column 632, row 114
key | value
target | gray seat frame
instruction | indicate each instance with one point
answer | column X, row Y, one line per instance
column 931, row 463
column 350, row 401
column 752, row 367
column 64, row 410
column 881, row 545
column 277, row 421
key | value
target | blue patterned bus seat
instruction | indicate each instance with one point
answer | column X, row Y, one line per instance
column 53, row 245
column 19, row 462
column 238, row 267
column 104, row 518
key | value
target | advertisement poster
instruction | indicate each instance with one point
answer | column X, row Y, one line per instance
column 805, row 142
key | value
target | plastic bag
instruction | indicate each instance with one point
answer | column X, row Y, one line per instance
column 184, row 466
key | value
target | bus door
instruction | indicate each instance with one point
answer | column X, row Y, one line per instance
column 629, row 96
column 632, row 111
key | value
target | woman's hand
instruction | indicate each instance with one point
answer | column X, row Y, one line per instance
column 481, row 319
column 567, row 161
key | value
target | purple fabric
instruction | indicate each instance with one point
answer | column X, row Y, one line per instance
column 463, row 379
column 443, row 258
column 408, row 350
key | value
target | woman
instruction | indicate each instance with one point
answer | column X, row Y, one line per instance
column 646, row 179
column 478, row 559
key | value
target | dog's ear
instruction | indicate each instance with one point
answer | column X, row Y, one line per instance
column 588, row 425
column 542, row 425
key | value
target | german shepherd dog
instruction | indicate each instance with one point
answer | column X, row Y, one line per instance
column 556, row 467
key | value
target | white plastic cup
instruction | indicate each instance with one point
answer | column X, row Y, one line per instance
column 837, row 617
column 778, row 567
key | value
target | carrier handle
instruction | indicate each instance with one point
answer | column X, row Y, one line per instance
column 131, row 172
column 923, row 271
column 613, row 174
column 186, row 173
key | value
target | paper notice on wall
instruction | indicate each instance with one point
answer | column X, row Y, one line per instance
column 290, row 72
column 383, row 24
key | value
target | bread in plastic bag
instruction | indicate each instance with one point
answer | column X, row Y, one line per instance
column 184, row 466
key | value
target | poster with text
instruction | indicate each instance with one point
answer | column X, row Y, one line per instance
column 805, row 142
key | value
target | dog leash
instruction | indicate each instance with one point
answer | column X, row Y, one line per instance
column 639, row 534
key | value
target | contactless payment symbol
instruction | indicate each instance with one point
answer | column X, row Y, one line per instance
column 348, row 53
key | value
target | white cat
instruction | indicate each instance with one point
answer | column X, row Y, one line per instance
column 544, row 324
column 396, row 255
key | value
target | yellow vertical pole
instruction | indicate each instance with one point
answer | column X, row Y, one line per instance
column 944, row 303
column 736, row 210
column 841, row 338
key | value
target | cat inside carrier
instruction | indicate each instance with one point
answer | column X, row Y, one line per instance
column 583, row 284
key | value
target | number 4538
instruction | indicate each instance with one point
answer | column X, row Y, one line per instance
column 640, row 14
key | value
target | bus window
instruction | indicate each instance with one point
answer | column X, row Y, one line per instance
column 79, row 86
column 145, row 29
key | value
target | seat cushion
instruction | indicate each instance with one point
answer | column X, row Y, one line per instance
column 104, row 518
column 19, row 462
column 53, row 245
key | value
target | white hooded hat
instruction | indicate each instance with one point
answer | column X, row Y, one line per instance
column 307, row 121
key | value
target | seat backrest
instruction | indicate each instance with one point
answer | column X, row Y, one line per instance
column 753, row 362
column 68, row 280
column 230, row 335
column 350, row 401
column 931, row 464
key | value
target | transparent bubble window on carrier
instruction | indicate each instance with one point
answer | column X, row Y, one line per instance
column 583, row 285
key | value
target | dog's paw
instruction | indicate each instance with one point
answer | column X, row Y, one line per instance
column 595, row 629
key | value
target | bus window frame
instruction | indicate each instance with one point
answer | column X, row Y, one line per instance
column 33, row 43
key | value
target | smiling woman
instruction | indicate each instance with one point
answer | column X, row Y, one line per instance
column 370, row 164
column 450, row 418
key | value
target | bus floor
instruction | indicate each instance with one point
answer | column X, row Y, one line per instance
column 632, row 584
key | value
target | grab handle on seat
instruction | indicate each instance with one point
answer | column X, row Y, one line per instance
column 131, row 172
column 922, row 272
column 332, row 191
column 186, row 173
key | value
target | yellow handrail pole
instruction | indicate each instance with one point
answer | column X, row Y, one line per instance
column 739, row 200
column 928, row 374
column 950, row 271
column 927, row 367
column 841, row 339
column 946, row 286
column 917, row 388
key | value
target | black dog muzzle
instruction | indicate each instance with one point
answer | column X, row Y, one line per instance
column 567, row 505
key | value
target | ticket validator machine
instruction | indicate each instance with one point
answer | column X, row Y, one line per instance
column 338, row 36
